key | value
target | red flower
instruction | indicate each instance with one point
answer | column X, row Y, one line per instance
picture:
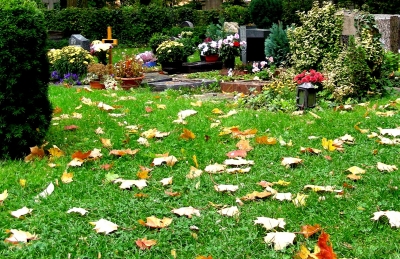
column 236, row 44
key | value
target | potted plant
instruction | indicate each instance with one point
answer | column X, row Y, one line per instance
column 229, row 48
column 312, row 77
column 130, row 71
column 209, row 49
column 96, row 74
column 148, row 58
column 100, row 50
column 171, row 55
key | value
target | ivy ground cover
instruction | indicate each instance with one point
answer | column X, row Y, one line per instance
column 122, row 177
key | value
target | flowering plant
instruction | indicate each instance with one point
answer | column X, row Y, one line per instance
column 170, row 51
column 129, row 67
column 311, row 76
column 209, row 48
column 230, row 47
column 100, row 50
column 99, row 70
column 69, row 79
column 69, row 59
column 110, row 82
column 147, row 56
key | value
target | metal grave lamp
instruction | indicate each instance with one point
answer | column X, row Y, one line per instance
column 306, row 96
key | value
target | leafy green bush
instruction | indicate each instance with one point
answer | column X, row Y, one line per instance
column 156, row 39
column 25, row 110
column 237, row 13
column 317, row 37
column 265, row 12
column 70, row 59
column 290, row 7
column 390, row 63
column 277, row 45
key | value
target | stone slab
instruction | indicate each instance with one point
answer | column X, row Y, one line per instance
column 177, row 84
column 79, row 40
column 201, row 66
column 245, row 87
column 156, row 77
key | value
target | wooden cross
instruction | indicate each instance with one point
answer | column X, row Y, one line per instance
column 109, row 39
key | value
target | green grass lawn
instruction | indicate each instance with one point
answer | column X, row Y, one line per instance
column 61, row 235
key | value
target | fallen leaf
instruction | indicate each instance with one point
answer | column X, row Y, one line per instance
column 356, row 170
column 22, row 182
column 282, row 196
column 166, row 181
column 354, row 177
column 393, row 216
column 105, row 107
column 49, row 190
column 106, row 142
column 270, row 223
column 35, row 152
column 230, row 212
column 385, row 114
column 127, row 184
column 304, row 253
column 78, row 210
column 265, row 184
column 310, row 150
column 314, row 115
column 161, row 106
column 99, row 131
column 215, row 168
column 325, row 247
column 172, row 194
column 363, row 131
column 230, row 113
column 238, row 162
column 110, row 177
column 197, row 103
column 237, row 153
column 143, row 141
column 56, row 152
column 21, row 212
column 280, row 239
column 75, row 162
column 256, row 195
column 238, row 170
column 217, row 111
column 308, row 230
column 317, row 188
column 3, row 196
column 106, row 166
column 71, row 127
column 328, row 144
column 123, row 152
column 141, row 195
column 186, row 113
column 169, row 160
column 187, row 134
column 194, row 172
column 291, row 161
column 80, row 155
column 186, row 211
column 19, row 236
column 384, row 167
column 143, row 174
column 348, row 139
column 390, row 132
column 104, row 226
column 153, row 222
column 95, row 153
column 204, row 257
column 281, row 182
column 67, row 177
column 266, row 140
column 300, row 200
column 244, row 144
column 226, row 188
column 144, row 244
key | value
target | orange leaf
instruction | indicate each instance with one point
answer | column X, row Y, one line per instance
column 141, row 222
column 35, row 152
column 308, row 230
column 237, row 153
column 187, row 134
column 57, row 110
column 141, row 195
column 244, row 144
column 148, row 109
column 106, row 166
column 80, row 155
column 266, row 140
column 145, row 244
column 203, row 257
column 172, row 194
column 143, row 175
column 326, row 250
column 153, row 222
column 71, row 127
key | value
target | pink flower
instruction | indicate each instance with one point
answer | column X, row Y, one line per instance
column 271, row 59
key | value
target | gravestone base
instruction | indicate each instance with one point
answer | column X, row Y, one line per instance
column 180, row 83
column 201, row 66
column 245, row 86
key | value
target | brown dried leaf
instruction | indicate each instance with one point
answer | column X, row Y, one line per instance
column 266, row 140
column 153, row 222
column 35, row 152
column 256, row 195
column 71, row 127
column 244, row 144
column 144, row 244
column 187, row 134
column 308, row 230
column 123, row 152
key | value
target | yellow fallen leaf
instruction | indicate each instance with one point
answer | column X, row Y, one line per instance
column 328, row 144
column 22, row 182
column 356, row 170
column 300, row 200
column 67, row 177
column 197, row 103
column 161, row 106
column 106, row 142
column 217, row 111
column 187, row 134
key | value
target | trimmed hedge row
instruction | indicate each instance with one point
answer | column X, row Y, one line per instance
column 133, row 26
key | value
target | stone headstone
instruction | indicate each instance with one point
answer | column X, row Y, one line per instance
column 231, row 27
column 187, row 24
column 255, row 39
column 79, row 40
column 348, row 24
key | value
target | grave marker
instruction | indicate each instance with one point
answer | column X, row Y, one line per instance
column 255, row 39
column 112, row 41
column 79, row 40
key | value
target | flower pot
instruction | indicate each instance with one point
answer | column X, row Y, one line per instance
column 96, row 85
column 128, row 83
column 212, row 58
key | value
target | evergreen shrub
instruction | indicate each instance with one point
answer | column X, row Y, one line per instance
column 25, row 110
column 265, row 12
column 277, row 45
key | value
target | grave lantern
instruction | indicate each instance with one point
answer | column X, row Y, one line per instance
column 306, row 96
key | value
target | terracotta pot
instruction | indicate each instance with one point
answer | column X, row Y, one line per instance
column 212, row 58
column 96, row 85
column 128, row 83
